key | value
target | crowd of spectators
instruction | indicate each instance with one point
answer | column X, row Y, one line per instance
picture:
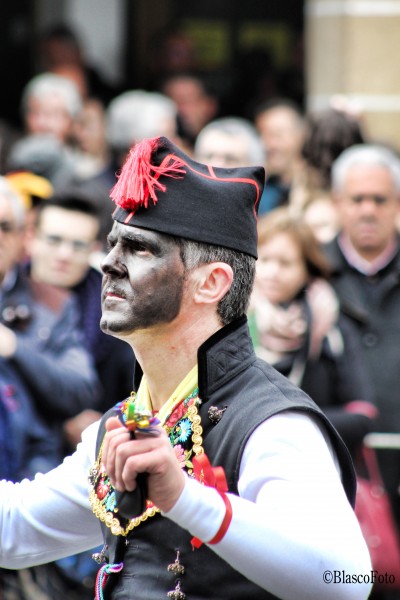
column 325, row 306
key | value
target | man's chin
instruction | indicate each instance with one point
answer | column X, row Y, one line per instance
column 111, row 327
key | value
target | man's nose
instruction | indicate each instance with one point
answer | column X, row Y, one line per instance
column 369, row 205
column 111, row 264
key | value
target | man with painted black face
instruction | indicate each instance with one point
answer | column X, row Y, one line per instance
column 217, row 478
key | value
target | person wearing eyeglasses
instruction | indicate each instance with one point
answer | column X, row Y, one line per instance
column 39, row 329
column 365, row 257
column 26, row 443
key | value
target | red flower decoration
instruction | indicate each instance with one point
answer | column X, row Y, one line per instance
column 179, row 411
column 102, row 490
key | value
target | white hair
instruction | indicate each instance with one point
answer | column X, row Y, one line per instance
column 50, row 83
column 235, row 126
column 365, row 154
column 137, row 114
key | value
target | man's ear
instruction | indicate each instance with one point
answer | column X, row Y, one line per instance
column 212, row 282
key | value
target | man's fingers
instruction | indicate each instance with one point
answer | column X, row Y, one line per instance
column 113, row 423
column 116, row 434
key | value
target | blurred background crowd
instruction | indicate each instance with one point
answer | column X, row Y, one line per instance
column 325, row 308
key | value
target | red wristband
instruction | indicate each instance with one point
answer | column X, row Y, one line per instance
column 226, row 521
column 196, row 543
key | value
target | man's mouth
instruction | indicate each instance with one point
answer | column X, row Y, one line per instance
column 113, row 294
column 367, row 227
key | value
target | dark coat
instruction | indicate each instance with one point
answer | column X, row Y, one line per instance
column 373, row 306
column 51, row 357
column 26, row 442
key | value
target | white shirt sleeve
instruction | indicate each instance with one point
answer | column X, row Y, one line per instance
column 50, row 517
column 292, row 528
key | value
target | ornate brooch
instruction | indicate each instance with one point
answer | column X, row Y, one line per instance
column 215, row 414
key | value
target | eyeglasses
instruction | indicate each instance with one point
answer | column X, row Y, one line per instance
column 56, row 241
column 7, row 227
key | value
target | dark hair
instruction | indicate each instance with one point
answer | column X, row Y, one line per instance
column 283, row 220
column 327, row 135
column 60, row 31
column 72, row 200
column 278, row 102
column 235, row 302
column 199, row 77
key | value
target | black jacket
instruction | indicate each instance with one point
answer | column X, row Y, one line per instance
column 373, row 306
column 51, row 358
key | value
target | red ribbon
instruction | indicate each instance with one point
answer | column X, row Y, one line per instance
column 212, row 477
column 208, row 475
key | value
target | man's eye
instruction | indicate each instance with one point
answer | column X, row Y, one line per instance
column 138, row 247
column 379, row 199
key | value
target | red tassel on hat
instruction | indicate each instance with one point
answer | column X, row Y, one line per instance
column 139, row 178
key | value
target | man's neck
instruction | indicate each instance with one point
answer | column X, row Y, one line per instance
column 167, row 356
column 368, row 263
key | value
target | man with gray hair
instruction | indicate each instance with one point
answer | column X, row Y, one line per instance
column 138, row 114
column 365, row 257
column 229, row 142
column 49, row 105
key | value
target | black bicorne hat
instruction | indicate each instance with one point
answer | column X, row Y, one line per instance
column 162, row 189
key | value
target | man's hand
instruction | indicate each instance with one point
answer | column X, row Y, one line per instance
column 8, row 342
column 125, row 458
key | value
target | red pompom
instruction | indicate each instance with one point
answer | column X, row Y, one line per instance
column 138, row 179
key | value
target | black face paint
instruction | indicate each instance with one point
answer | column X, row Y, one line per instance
column 143, row 280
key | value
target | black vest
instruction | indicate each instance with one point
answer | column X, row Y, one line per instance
column 229, row 376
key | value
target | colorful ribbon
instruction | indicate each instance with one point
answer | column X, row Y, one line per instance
column 102, row 576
